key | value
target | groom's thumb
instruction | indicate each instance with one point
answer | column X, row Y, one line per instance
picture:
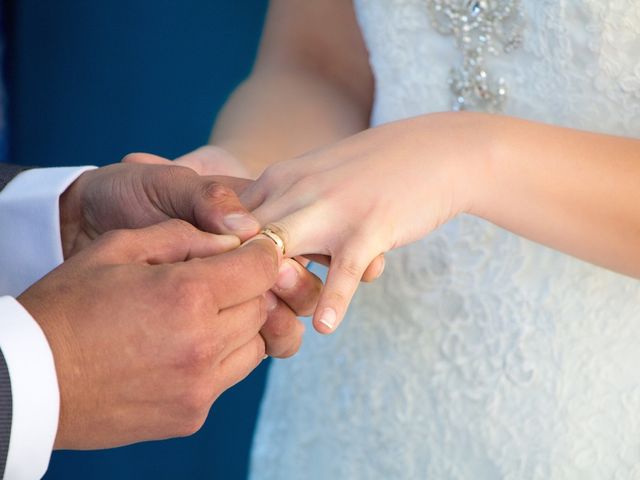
column 167, row 242
column 218, row 209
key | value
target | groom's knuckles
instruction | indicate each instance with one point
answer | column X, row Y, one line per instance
column 219, row 199
column 188, row 293
column 219, row 210
column 197, row 355
column 217, row 194
column 192, row 408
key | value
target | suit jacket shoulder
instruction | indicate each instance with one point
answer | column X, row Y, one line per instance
column 6, row 407
column 8, row 171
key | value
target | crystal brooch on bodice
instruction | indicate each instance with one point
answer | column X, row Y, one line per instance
column 480, row 28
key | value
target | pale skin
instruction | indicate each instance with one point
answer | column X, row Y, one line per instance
column 574, row 191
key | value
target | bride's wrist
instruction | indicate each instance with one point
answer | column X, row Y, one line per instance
column 473, row 154
column 494, row 173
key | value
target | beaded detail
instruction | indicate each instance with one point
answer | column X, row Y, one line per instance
column 480, row 27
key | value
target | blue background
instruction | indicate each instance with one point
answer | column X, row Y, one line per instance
column 91, row 81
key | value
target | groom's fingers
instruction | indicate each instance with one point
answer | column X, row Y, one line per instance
column 217, row 207
column 297, row 287
column 241, row 323
column 282, row 331
column 241, row 362
column 242, row 274
column 269, row 316
column 166, row 242
column 211, row 203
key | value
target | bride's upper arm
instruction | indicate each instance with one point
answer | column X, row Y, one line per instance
column 321, row 37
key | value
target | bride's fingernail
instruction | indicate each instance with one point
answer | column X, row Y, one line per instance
column 240, row 222
column 383, row 262
column 329, row 318
column 287, row 276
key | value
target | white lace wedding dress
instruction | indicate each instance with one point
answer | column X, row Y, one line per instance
column 478, row 355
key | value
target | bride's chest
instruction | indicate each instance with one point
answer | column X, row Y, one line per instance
column 578, row 63
column 542, row 16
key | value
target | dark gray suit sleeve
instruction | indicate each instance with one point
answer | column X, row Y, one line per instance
column 6, row 406
column 7, row 172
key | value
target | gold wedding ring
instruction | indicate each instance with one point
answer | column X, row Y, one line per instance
column 277, row 239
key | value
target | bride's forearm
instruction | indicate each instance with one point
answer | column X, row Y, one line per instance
column 391, row 185
column 279, row 114
column 574, row 191
column 312, row 85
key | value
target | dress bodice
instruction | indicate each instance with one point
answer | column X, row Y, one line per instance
column 478, row 354
column 578, row 65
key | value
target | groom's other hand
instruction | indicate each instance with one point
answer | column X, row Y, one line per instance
column 296, row 291
column 135, row 195
column 148, row 327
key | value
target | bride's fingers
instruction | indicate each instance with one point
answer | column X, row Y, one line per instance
column 283, row 186
column 212, row 160
column 146, row 158
column 345, row 273
column 372, row 273
column 303, row 232
column 304, row 261
column 317, row 258
column 374, row 270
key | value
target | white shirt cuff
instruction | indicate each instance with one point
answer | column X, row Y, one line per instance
column 34, row 391
column 30, row 244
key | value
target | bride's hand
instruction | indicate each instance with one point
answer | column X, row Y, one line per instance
column 207, row 160
column 370, row 193
column 213, row 160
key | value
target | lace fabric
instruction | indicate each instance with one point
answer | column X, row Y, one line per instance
column 478, row 354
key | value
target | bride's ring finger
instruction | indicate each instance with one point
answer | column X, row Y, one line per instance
column 276, row 235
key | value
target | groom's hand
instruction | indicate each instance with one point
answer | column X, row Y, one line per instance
column 148, row 327
column 297, row 290
column 135, row 195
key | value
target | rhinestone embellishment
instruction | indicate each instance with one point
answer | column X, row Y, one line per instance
column 480, row 28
